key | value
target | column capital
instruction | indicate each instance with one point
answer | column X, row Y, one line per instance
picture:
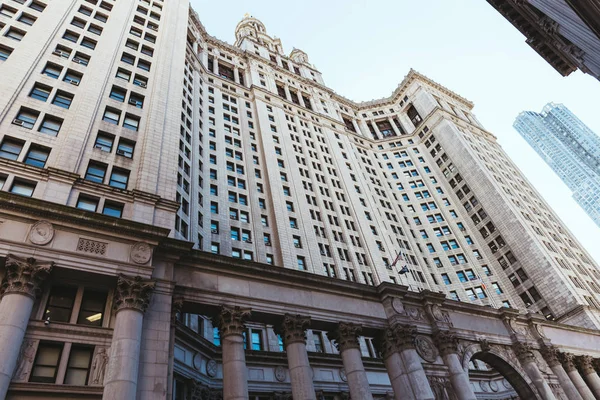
column 550, row 354
column 133, row 292
column 387, row 343
column 446, row 342
column 294, row 328
column 231, row 320
column 346, row 336
column 405, row 336
column 176, row 307
column 524, row 352
column 586, row 363
column 24, row 275
column 568, row 361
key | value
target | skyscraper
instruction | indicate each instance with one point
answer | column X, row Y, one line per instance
column 570, row 148
column 169, row 200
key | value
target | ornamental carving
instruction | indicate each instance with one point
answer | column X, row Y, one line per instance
column 25, row 360
column 197, row 361
column 437, row 315
column 524, row 352
column 405, row 336
column 548, row 25
column 346, row 336
column 41, row 233
column 24, row 275
column 568, row 361
column 176, row 307
column 211, row 368
column 282, row 396
column 98, row 369
column 425, row 348
column 280, row 373
column 398, row 306
column 202, row 392
column 586, row 363
column 231, row 320
column 140, row 253
column 494, row 386
column 485, row 345
column 387, row 343
column 133, row 293
column 92, row 246
column 550, row 354
column 294, row 328
column 446, row 342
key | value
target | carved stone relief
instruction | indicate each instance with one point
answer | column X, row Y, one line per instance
column 99, row 367
column 425, row 348
column 211, row 368
column 280, row 373
column 140, row 253
column 41, row 233
column 25, row 360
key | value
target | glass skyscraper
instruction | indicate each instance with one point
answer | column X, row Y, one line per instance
column 570, row 148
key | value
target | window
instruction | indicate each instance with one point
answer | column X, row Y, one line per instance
column 119, row 178
column 37, row 6
column 136, row 100
column 63, row 99
column 145, row 65
column 78, row 22
column 50, row 125
column 78, row 367
column 37, row 156
column 128, row 58
column 118, row 94
column 301, row 263
column 23, row 188
column 46, row 361
column 125, row 148
column 141, row 81
column 15, row 34
column 111, row 116
column 7, row 11
column 74, row 78
column 113, row 209
column 123, row 74
column 11, row 148
column 71, row 36
column 446, row 279
column 89, row 43
column 26, row 118
column 91, row 311
column 255, row 339
column 131, row 122
column 60, row 303
column 40, row 92
column 52, row 70
column 87, row 203
column 95, row 29
column 5, row 52
column 104, row 142
column 96, row 172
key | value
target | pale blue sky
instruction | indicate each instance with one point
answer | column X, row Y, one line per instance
column 365, row 48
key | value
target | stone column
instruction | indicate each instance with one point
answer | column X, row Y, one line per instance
column 524, row 353
column 235, row 375
column 447, row 344
column 131, row 301
column 586, row 364
column 21, row 284
column 568, row 362
column 394, row 127
column 346, row 341
column 395, row 366
column 286, row 89
column 551, row 354
column 294, row 339
column 405, row 340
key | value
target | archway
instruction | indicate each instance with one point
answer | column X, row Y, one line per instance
column 502, row 373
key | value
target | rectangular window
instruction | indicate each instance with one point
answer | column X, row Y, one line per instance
column 52, row 70
column 50, row 125
column 118, row 94
column 113, row 209
column 74, row 78
column 123, row 74
column 46, row 361
column 78, row 367
column 131, row 122
column 91, row 311
column 5, row 52
column 119, row 178
column 11, row 148
column 71, row 36
column 125, row 148
column 26, row 118
column 40, row 92
column 89, row 43
column 104, row 142
column 60, row 303
column 96, row 172
column 63, row 99
column 87, row 203
column 23, row 188
column 37, row 156
column 145, row 65
column 15, row 34
column 256, row 339
column 111, row 116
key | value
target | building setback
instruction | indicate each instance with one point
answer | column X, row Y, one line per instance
column 177, row 211
column 570, row 148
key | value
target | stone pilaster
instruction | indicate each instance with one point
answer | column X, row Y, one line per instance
column 447, row 344
column 569, row 364
column 294, row 338
column 235, row 374
column 132, row 297
column 346, row 341
column 524, row 352
column 586, row 365
column 552, row 357
column 394, row 365
column 21, row 284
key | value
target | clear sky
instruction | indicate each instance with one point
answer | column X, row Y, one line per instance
column 365, row 48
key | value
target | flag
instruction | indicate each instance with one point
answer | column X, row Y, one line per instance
column 396, row 259
column 403, row 270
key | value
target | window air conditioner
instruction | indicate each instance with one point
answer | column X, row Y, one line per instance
column 18, row 121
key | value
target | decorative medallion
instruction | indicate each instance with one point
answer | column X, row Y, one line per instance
column 494, row 386
column 343, row 376
column 485, row 387
column 140, row 253
column 280, row 373
column 211, row 368
column 425, row 348
column 41, row 233
column 398, row 306
column 197, row 361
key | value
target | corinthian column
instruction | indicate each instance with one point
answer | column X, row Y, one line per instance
column 395, row 366
column 526, row 357
column 231, row 328
column 405, row 341
column 447, row 344
column 346, row 341
column 21, row 284
column 294, row 339
column 551, row 354
column 589, row 374
column 568, row 362
column 131, row 301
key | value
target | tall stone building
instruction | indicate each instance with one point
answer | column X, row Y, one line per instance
column 182, row 218
column 570, row 148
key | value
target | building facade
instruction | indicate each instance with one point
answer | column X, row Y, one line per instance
column 570, row 148
column 175, row 212
column 565, row 33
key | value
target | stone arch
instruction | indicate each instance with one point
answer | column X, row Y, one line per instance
column 507, row 368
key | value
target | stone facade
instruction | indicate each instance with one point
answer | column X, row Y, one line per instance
column 316, row 239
